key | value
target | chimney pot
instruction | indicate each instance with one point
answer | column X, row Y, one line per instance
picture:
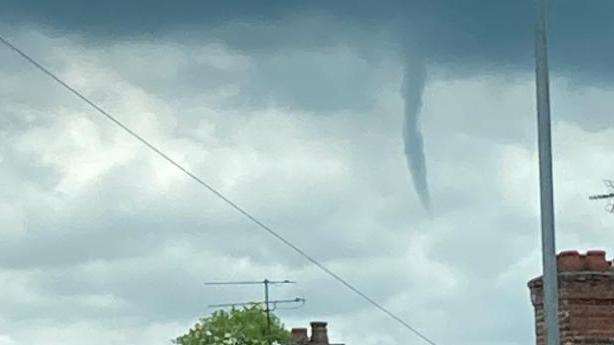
column 299, row 335
column 570, row 261
column 319, row 333
column 595, row 261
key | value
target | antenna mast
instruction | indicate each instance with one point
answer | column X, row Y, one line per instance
column 609, row 196
column 267, row 302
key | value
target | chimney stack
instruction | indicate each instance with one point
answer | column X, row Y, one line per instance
column 586, row 299
column 299, row 336
column 319, row 334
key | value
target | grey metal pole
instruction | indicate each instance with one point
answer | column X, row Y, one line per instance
column 550, row 276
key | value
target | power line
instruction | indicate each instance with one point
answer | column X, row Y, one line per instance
column 218, row 194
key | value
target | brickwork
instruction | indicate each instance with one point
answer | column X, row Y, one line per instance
column 319, row 335
column 586, row 300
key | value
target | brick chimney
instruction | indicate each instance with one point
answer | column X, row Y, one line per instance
column 299, row 336
column 319, row 333
column 586, row 299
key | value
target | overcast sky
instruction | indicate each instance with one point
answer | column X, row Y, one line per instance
column 294, row 110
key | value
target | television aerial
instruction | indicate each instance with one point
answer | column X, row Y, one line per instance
column 609, row 195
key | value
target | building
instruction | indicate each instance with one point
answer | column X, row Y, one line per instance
column 319, row 335
column 586, row 299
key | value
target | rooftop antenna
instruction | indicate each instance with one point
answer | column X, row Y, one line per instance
column 273, row 302
column 609, row 195
column 267, row 302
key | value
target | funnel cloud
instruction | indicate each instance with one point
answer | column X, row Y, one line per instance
column 414, row 77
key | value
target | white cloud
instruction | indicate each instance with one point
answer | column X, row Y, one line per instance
column 6, row 340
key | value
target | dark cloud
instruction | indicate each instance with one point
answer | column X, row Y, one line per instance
column 469, row 35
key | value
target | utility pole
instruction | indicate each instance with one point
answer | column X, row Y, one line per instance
column 550, row 274
column 267, row 302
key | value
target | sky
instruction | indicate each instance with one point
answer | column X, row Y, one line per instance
column 298, row 112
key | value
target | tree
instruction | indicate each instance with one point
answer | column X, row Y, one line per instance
column 246, row 326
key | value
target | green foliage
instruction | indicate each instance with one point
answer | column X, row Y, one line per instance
column 247, row 326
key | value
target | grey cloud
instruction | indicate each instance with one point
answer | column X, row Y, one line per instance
column 468, row 35
column 466, row 38
column 335, row 184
